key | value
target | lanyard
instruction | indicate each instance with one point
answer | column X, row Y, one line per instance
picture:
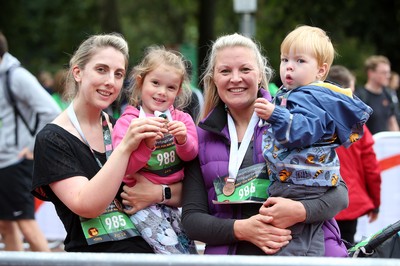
column 106, row 132
column 236, row 154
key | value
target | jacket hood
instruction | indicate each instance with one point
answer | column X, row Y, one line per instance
column 7, row 62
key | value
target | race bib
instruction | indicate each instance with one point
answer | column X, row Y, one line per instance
column 164, row 160
column 112, row 225
column 250, row 187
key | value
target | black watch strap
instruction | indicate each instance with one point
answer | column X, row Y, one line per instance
column 166, row 193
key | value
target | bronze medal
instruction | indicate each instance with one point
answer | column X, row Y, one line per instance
column 228, row 188
column 162, row 115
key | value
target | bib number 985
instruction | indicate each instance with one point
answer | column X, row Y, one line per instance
column 115, row 222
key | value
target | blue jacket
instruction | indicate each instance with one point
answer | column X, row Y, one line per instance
column 308, row 123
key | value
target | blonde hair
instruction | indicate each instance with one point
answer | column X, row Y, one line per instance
column 85, row 52
column 311, row 40
column 153, row 58
column 211, row 97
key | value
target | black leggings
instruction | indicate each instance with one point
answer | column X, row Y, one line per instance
column 348, row 229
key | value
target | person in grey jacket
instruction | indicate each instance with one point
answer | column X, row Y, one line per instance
column 34, row 105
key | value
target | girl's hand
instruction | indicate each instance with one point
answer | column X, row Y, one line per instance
column 178, row 130
column 258, row 230
column 263, row 108
column 284, row 212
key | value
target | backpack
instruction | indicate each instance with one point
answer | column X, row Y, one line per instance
column 12, row 101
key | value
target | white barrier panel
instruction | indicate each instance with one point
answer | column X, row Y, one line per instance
column 387, row 149
column 123, row 259
column 49, row 221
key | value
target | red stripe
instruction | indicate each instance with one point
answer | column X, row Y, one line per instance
column 38, row 202
column 389, row 162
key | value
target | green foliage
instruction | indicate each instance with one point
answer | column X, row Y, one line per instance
column 43, row 33
column 168, row 23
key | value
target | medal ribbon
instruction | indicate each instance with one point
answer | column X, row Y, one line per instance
column 167, row 113
column 122, row 229
column 236, row 154
column 106, row 132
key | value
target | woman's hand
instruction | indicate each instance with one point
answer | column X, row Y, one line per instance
column 142, row 195
column 143, row 128
column 258, row 230
column 146, row 193
column 284, row 212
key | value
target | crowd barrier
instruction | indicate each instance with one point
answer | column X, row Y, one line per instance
column 387, row 149
column 104, row 259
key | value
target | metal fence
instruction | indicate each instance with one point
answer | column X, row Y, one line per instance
column 117, row 259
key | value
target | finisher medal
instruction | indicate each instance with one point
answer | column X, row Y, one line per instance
column 229, row 187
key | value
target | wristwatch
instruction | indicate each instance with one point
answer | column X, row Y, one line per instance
column 166, row 193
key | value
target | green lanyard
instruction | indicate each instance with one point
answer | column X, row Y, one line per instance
column 113, row 224
column 106, row 132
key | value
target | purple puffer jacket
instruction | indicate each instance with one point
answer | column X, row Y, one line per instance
column 214, row 156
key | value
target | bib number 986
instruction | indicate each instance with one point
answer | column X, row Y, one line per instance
column 245, row 192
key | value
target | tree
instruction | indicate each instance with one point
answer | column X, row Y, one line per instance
column 43, row 33
column 206, row 31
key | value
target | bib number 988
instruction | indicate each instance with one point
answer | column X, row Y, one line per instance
column 166, row 158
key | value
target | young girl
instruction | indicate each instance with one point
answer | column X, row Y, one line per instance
column 160, row 82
